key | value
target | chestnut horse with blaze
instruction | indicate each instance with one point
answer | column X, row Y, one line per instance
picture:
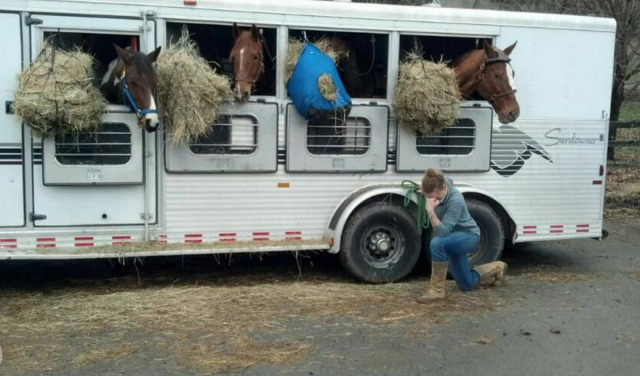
column 247, row 58
column 488, row 71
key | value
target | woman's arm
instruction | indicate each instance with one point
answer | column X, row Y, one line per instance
column 444, row 226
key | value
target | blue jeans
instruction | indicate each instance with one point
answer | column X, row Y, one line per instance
column 454, row 249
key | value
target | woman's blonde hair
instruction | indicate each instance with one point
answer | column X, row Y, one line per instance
column 433, row 179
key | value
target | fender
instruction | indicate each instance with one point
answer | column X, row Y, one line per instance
column 350, row 203
column 347, row 206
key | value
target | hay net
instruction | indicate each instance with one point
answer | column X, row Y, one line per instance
column 427, row 96
column 189, row 91
column 324, row 44
column 56, row 95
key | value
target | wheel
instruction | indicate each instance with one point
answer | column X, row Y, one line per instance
column 491, row 233
column 380, row 243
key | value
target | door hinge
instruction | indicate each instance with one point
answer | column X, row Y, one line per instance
column 8, row 108
column 36, row 217
column 32, row 21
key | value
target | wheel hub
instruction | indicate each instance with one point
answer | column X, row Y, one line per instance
column 380, row 243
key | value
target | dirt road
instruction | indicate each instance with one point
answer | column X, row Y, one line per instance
column 569, row 308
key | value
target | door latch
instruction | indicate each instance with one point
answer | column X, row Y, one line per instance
column 36, row 217
column 32, row 21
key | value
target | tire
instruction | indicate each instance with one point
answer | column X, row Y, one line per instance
column 380, row 243
column 491, row 233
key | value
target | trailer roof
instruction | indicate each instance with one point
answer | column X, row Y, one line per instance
column 324, row 9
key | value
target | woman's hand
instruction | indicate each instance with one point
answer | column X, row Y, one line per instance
column 432, row 204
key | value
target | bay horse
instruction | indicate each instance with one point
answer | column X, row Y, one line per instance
column 131, row 80
column 248, row 61
column 488, row 71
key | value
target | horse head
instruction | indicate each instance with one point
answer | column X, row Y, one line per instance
column 138, row 82
column 247, row 59
column 489, row 72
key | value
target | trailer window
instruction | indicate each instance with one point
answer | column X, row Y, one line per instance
column 363, row 70
column 243, row 140
column 232, row 134
column 100, row 46
column 215, row 43
column 358, row 144
column 109, row 145
column 339, row 138
column 458, row 139
column 464, row 146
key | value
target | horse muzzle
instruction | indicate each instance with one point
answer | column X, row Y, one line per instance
column 149, row 123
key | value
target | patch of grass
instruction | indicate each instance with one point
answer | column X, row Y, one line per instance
column 622, row 196
column 630, row 110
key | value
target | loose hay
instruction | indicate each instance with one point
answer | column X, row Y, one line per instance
column 207, row 322
column 55, row 94
column 427, row 96
column 327, row 88
column 189, row 91
column 558, row 278
column 324, row 44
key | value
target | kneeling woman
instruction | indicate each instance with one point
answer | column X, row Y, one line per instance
column 455, row 235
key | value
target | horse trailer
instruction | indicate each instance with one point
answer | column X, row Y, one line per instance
column 262, row 182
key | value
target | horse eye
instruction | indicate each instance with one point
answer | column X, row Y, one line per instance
column 255, row 57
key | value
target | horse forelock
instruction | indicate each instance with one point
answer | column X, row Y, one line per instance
column 246, row 39
column 143, row 66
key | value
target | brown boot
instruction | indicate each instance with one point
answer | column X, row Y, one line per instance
column 436, row 286
column 492, row 273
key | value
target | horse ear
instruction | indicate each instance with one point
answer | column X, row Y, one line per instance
column 255, row 32
column 153, row 55
column 235, row 30
column 488, row 49
column 509, row 49
column 123, row 54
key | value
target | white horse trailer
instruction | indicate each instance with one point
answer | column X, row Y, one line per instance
column 263, row 185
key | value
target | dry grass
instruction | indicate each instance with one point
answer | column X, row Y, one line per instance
column 427, row 96
column 189, row 91
column 558, row 278
column 55, row 94
column 324, row 44
column 622, row 197
column 483, row 340
column 114, row 353
column 208, row 325
column 634, row 275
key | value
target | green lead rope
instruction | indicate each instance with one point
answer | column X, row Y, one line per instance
column 413, row 189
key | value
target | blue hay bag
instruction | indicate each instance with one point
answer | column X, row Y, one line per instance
column 303, row 84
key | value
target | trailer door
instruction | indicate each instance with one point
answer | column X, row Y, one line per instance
column 11, row 168
column 97, row 178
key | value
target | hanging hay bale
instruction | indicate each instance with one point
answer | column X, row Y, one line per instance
column 427, row 96
column 189, row 91
column 324, row 44
column 55, row 94
column 327, row 88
